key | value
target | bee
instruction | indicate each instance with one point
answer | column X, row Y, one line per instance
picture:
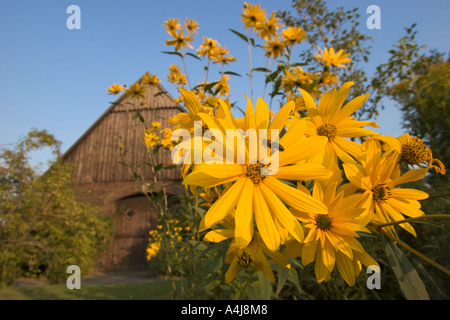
column 273, row 146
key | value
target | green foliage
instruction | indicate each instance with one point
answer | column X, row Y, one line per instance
column 43, row 227
column 419, row 82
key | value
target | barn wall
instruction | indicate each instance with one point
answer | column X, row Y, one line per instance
column 98, row 158
column 102, row 180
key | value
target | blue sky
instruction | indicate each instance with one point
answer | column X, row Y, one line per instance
column 56, row 79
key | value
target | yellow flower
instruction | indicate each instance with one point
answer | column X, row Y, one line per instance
column 268, row 29
column 331, row 238
column 253, row 256
column 156, row 125
column 172, row 25
column 179, row 40
column 330, row 58
column 253, row 15
column 136, row 91
column 377, row 177
column 149, row 79
column 329, row 119
column 153, row 250
column 297, row 78
column 274, row 47
column 413, row 151
column 222, row 55
column 151, row 139
column 293, row 35
column 191, row 25
column 223, row 87
column 253, row 191
column 207, row 47
column 115, row 89
column 166, row 141
column 175, row 75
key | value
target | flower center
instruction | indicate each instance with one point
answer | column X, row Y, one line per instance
column 415, row 151
column 323, row 222
column 254, row 172
column 245, row 261
column 381, row 192
column 327, row 130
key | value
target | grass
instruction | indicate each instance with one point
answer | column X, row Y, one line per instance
column 158, row 290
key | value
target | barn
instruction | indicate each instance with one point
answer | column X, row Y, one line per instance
column 101, row 177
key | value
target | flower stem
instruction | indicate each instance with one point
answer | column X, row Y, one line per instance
column 246, row 284
column 417, row 253
column 250, row 63
column 426, row 217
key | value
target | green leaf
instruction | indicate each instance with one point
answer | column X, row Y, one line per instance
column 173, row 52
column 265, row 286
column 138, row 115
column 193, row 56
column 293, row 277
column 261, row 69
column 159, row 93
column 232, row 73
column 408, row 278
column 272, row 76
column 158, row 167
column 240, row 35
column 283, row 274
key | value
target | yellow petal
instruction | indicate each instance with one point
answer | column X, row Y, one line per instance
column 309, row 252
column 412, row 175
column 294, row 197
column 210, row 175
column 244, row 216
column 294, row 134
column 351, row 107
column 355, row 132
column 219, row 235
column 328, row 255
column 223, row 206
column 302, row 150
column 354, row 175
column 279, row 121
column 320, row 270
column 190, row 101
column 282, row 214
column 232, row 124
column 261, row 114
column 304, row 172
column 264, row 221
column 309, row 102
column 183, row 119
column 326, row 105
column 411, row 194
column 232, row 270
column 346, row 269
column 249, row 115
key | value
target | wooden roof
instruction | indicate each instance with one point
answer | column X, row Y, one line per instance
column 161, row 99
column 96, row 156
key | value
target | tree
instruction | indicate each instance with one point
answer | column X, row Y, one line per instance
column 43, row 227
column 419, row 82
column 338, row 29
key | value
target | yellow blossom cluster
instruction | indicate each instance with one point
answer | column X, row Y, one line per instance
column 262, row 212
column 170, row 235
column 151, row 135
